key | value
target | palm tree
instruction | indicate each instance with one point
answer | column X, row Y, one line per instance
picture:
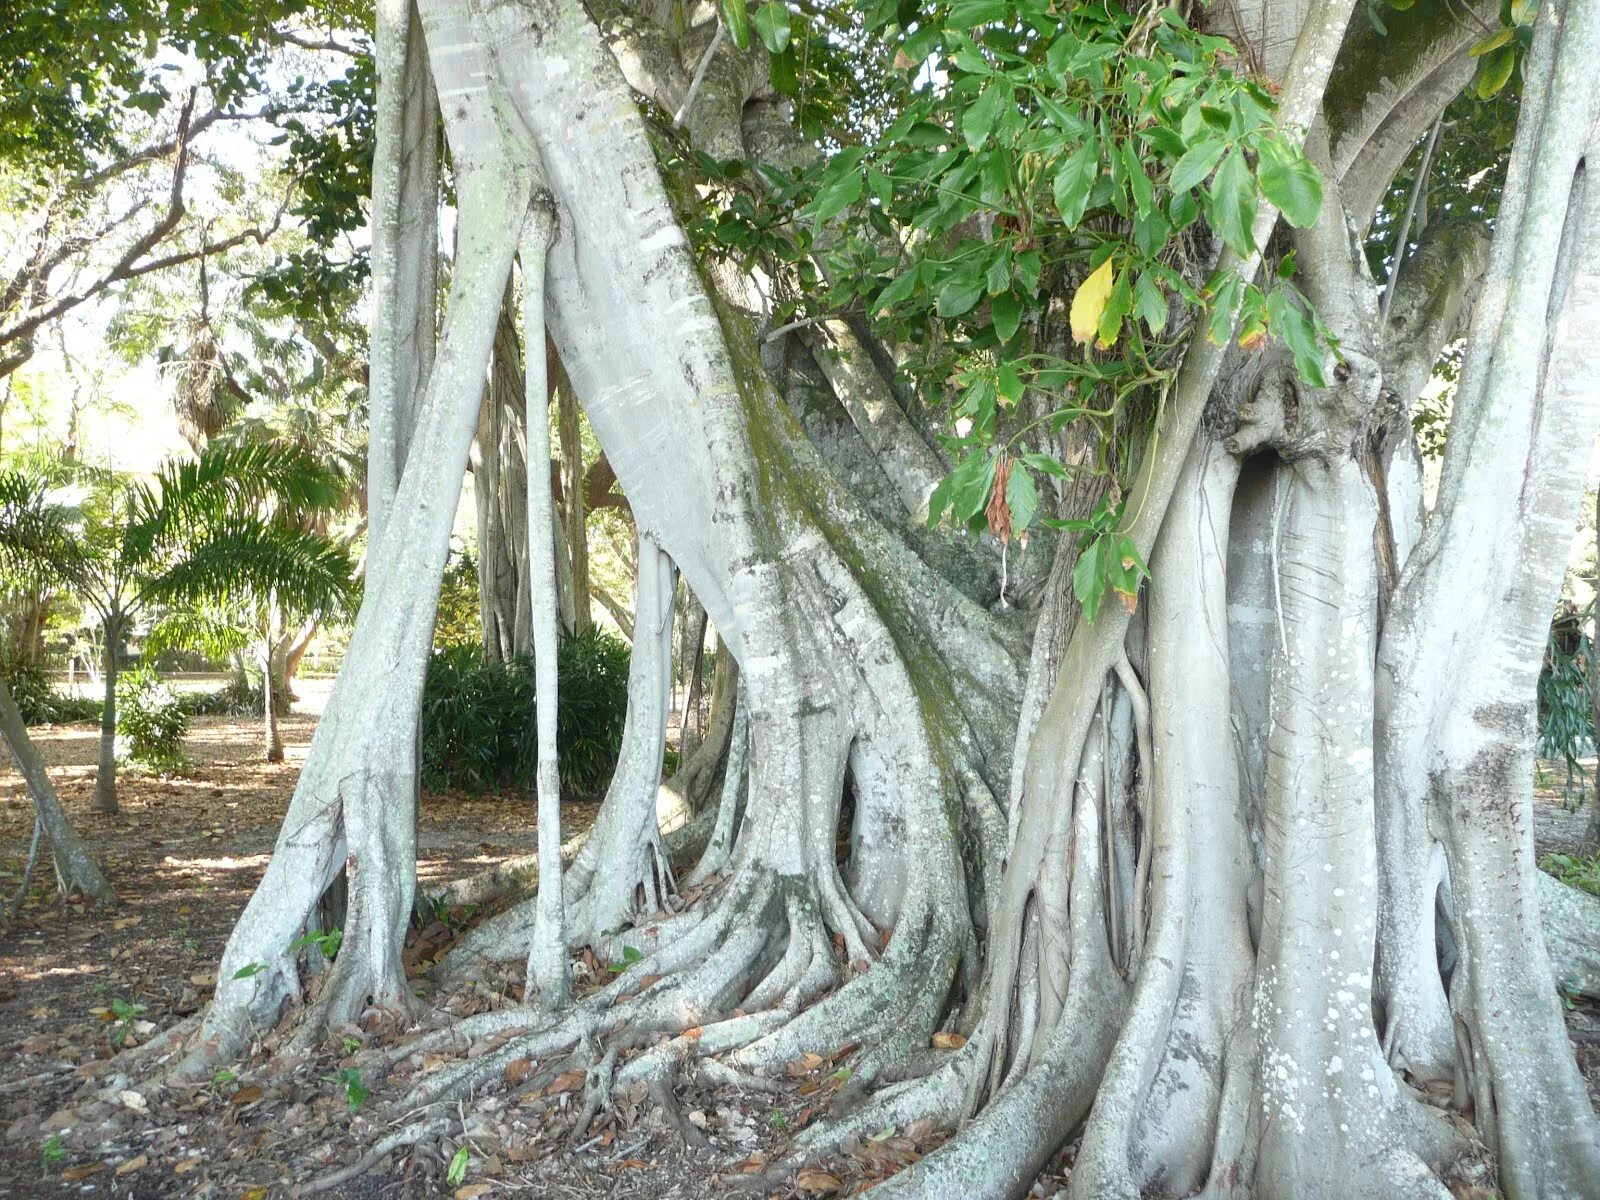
column 224, row 527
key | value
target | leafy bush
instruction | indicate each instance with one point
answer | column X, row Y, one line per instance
column 151, row 720
column 40, row 701
column 239, row 697
column 1573, row 871
column 478, row 722
column 1566, row 718
column 458, row 623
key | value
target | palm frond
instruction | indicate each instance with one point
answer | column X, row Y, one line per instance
column 226, row 481
column 245, row 558
column 41, row 533
column 213, row 632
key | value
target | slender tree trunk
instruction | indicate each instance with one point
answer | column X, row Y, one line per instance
column 269, row 707
column 76, row 869
column 1592, row 837
column 105, row 780
column 574, row 514
column 693, row 664
column 547, row 956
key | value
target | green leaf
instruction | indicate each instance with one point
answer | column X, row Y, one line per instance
column 1493, row 42
column 1118, row 305
column 1088, row 581
column 965, row 491
column 841, row 189
column 1494, row 71
column 998, row 277
column 978, row 121
column 1074, row 181
column 964, row 14
column 1233, row 203
column 772, row 26
column 1029, row 265
column 458, row 1167
column 1295, row 328
column 1196, row 164
column 245, row 972
column 1045, row 464
column 784, row 71
column 1224, row 301
column 1006, row 310
column 1008, row 384
column 958, row 295
column 1290, row 182
column 1022, row 497
column 899, row 288
column 1150, row 303
column 1138, row 182
column 736, row 20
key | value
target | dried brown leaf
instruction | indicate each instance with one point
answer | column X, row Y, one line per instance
column 817, row 1181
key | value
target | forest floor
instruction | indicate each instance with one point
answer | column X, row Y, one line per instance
column 77, row 983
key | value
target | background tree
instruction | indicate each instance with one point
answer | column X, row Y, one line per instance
column 194, row 534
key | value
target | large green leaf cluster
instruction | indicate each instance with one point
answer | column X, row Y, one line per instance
column 1039, row 157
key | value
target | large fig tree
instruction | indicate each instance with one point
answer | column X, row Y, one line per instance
column 1217, row 863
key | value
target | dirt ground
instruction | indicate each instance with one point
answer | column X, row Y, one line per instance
column 77, row 983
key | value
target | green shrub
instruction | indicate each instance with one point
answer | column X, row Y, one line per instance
column 1583, row 873
column 239, row 697
column 478, row 730
column 1566, row 718
column 151, row 721
column 40, row 701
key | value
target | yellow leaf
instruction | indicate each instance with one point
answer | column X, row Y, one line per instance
column 948, row 1041
column 1089, row 301
column 1493, row 42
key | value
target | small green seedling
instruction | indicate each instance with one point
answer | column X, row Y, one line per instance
column 52, row 1152
column 124, row 1013
column 327, row 943
column 222, row 1077
column 249, row 970
column 630, row 955
column 355, row 1092
column 778, row 1120
column 350, row 1042
column 458, row 1168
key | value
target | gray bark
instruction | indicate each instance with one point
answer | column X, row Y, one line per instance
column 547, row 957
column 76, row 869
column 105, row 779
column 1462, row 649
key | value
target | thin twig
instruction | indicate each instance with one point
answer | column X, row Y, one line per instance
column 699, row 78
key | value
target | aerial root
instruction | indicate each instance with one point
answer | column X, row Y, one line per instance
column 409, row 1135
column 596, row 1091
column 934, row 1099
